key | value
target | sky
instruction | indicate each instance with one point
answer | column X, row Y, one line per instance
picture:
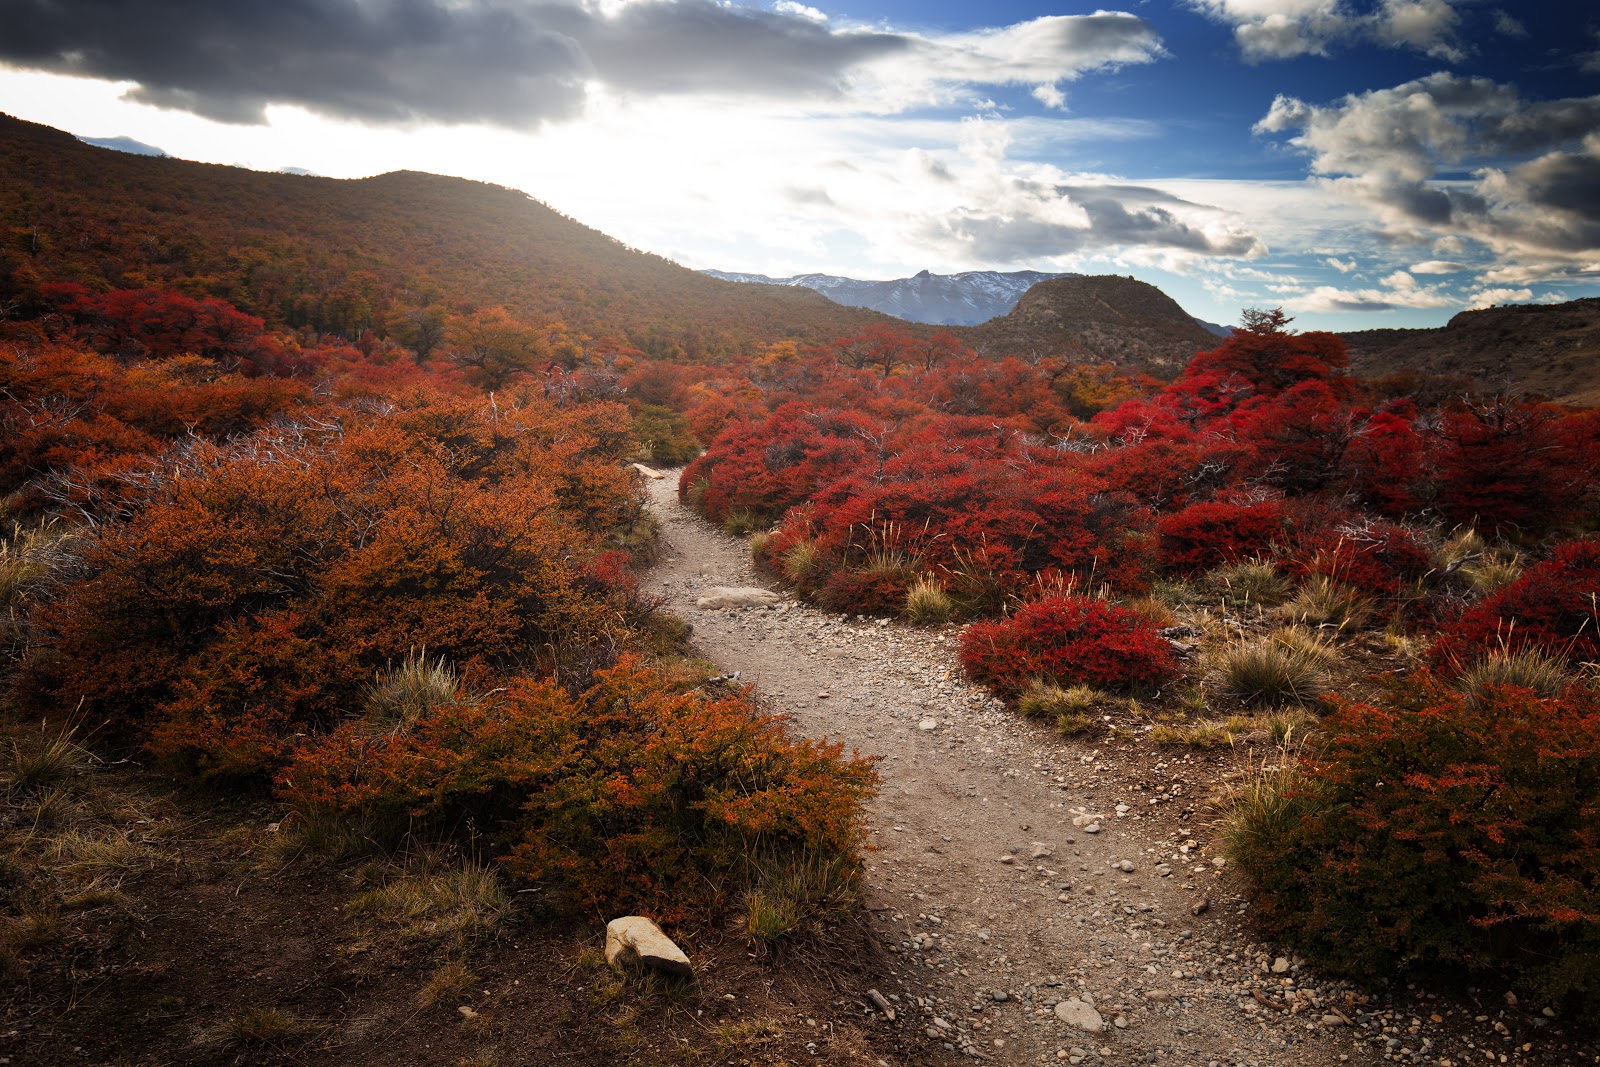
column 1358, row 163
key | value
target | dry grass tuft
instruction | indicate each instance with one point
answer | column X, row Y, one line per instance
column 404, row 695
column 1529, row 669
column 1325, row 603
column 439, row 896
column 1263, row 671
column 927, row 603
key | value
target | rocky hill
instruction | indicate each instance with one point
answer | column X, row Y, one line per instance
column 1548, row 349
column 964, row 299
column 1101, row 319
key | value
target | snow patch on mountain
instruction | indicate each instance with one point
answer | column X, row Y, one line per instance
column 964, row 299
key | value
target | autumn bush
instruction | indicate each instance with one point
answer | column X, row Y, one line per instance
column 1430, row 836
column 1215, row 532
column 258, row 589
column 624, row 795
column 1068, row 640
column 1375, row 558
column 1554, row 608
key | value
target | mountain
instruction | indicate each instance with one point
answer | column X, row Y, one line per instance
column 1099, row 319
column 964, row 299
column 124, row 144
column 1549, row 349
column 344, row 257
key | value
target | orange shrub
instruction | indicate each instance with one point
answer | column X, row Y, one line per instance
column 625, row 796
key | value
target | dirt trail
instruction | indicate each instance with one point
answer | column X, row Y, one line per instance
column 997, row 904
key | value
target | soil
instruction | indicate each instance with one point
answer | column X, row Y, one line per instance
column 1014, row 869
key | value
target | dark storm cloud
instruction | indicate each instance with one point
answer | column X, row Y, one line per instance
column 495, row 61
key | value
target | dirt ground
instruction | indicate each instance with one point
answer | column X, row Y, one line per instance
column 1016, row 870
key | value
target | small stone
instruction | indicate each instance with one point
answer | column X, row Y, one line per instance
column 928, row 724
column 466, row 1012
column 1125, row 866
column 1280, row 965
column 1042, row 850
column 1200, row 908
column 1008, row 859
column 1332, row 1020
column 1092, row 828
column 1158, row 996
column 822, row 696
column 1000, row 996
column 1075, row 1012
column 1120, row 1022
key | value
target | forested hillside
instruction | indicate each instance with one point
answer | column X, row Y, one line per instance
column 391, row 255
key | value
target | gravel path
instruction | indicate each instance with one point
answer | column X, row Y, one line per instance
column 1023, row 896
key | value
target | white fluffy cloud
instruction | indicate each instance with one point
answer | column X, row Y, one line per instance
column 1450, row 156
column 1283, row 29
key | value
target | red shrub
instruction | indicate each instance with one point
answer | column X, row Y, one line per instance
column 1070, row 640
column 1373, row 557
column 1207, row 535
column 1429, row 836
column 1553, row 608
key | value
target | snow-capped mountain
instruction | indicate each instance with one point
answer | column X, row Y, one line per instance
column 941, row 299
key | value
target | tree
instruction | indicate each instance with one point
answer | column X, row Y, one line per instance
column 492, row 347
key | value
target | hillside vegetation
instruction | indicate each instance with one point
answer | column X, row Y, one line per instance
column 348, row 257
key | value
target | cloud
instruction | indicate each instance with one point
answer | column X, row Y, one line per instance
column 1531, row 184
column 1343, row 266
column 1399, row 290
column 1283, row 29
column 1438, row 266
column 517, row 64
column 789, row 7
column 1484, row 298
column 1025, row 220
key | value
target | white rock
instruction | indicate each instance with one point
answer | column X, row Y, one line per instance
column 1280, row 965
column 1075, row 1012
column 1125, row 866
column 634, row 939
column 928, row 724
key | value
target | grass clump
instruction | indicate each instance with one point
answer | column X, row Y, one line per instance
column 437, row 896
column 743, row 523
column 1208, row 734
column 402, row 696
column 1526, row 668
column 927, row 603
column 799, row 562
column 797, row 892
column 1265, row 672
column 1272, row 800
column 1321, row 601
column 40, row 761
column 263, row 1026
column 1252, row 581
column 1066, row 707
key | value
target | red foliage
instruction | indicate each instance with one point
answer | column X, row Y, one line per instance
column 1207, row 535
column 1505, row 466
column 1430, row 835
column 1069, row 640
column 1373, row 557
column 1270, row 359
column 1554, row 608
